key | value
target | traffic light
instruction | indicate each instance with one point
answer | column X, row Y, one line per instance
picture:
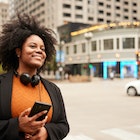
column 90, row 66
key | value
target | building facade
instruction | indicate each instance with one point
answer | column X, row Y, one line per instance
column 111, row 48
column 34, row 7
column 4, row 13
column 54, row 13
column 114, row 41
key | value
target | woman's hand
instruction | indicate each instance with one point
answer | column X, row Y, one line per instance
column 40, row 135
column 29, row 125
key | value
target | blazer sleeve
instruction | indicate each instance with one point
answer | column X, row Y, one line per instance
column 58, row 128
column 9, row 129
column 8, row 125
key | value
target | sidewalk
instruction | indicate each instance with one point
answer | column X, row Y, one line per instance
column 94, row 79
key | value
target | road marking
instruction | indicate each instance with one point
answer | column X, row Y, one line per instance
column 122, row 134
column 137, row 126
column 77, row 137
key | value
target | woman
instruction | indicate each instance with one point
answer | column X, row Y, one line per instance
column 25, row 46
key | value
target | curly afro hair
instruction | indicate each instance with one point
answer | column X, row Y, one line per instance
column 14, row 34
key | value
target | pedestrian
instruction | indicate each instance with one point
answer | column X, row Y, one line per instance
column 111, row 75
column 25, row 48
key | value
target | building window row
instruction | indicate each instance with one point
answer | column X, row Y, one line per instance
column 107, row 44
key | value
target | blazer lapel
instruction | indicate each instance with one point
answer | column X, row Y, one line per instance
column 6, row 92
column 51, row 91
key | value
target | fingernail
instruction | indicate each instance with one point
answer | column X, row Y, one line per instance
column 45, row 111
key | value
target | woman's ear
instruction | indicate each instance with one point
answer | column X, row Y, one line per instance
column 18, row 52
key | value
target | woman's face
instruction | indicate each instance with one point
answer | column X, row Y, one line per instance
column 32, row 54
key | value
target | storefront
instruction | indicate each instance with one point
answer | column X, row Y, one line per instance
column 124, row 69
column 109, row 67
column 128, row 69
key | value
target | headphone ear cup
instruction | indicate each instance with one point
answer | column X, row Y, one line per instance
column 25, row 78
column 35, row 80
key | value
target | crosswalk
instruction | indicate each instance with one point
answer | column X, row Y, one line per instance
column 116, row 133
column 78, row 137
column 122, row 134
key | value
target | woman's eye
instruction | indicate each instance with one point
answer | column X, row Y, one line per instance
column 32, row 46
column 43, row 49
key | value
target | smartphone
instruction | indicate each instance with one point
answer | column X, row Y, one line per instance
column 38, row 107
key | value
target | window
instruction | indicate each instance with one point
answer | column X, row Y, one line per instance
column 90, row 18
column 99, row 44
column 83, row 47
column 135, row 18
column 117, row 7
column 118, row 46
column 134, row 4
column 118, row 15
column 126, row 3
column 139, row 43
column 134, row 11
column 108, row 44
column 108, row 6
column 66, row 6
column 128, row 43
column 78, row 7
column 108, row 21
column 67, row 50
column 75, row 49
column 100, row 20
column 108, row 14
column 66, row 15
column 125, row 17
column 101, row 3
column 79, row 16
column 125, row 10
column 93, row 46
column 101, row 11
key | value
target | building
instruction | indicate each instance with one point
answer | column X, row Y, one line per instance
column 114, row 40
column 54, row 13
column 111, row 48
column 4, row 13
column 65, row 30
column 34, row 7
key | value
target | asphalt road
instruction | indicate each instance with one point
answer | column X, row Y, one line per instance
column 101, row 110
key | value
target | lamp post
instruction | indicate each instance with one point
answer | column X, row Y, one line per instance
column 88, row 36
column 117, row 55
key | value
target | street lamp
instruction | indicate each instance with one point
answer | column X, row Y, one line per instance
column 88, row 37
column 117, row 55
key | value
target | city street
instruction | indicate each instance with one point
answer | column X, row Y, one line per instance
column 101, row 110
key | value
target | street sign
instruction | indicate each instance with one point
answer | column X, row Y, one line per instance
column 60, row 56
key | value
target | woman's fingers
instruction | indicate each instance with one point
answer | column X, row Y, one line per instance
column 29, row 124
column 25, row 112
column 36, row 116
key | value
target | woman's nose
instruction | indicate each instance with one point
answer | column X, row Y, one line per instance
column 39, row 50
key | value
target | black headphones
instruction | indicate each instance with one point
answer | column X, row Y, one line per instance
column 26, row 79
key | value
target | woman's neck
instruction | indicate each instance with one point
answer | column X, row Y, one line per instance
column 31, row 72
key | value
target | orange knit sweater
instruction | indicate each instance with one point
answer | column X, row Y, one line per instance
column 23, row 97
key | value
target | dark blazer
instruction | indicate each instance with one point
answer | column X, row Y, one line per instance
column 57, row 129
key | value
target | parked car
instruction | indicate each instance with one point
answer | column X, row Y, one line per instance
column 133, row 88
